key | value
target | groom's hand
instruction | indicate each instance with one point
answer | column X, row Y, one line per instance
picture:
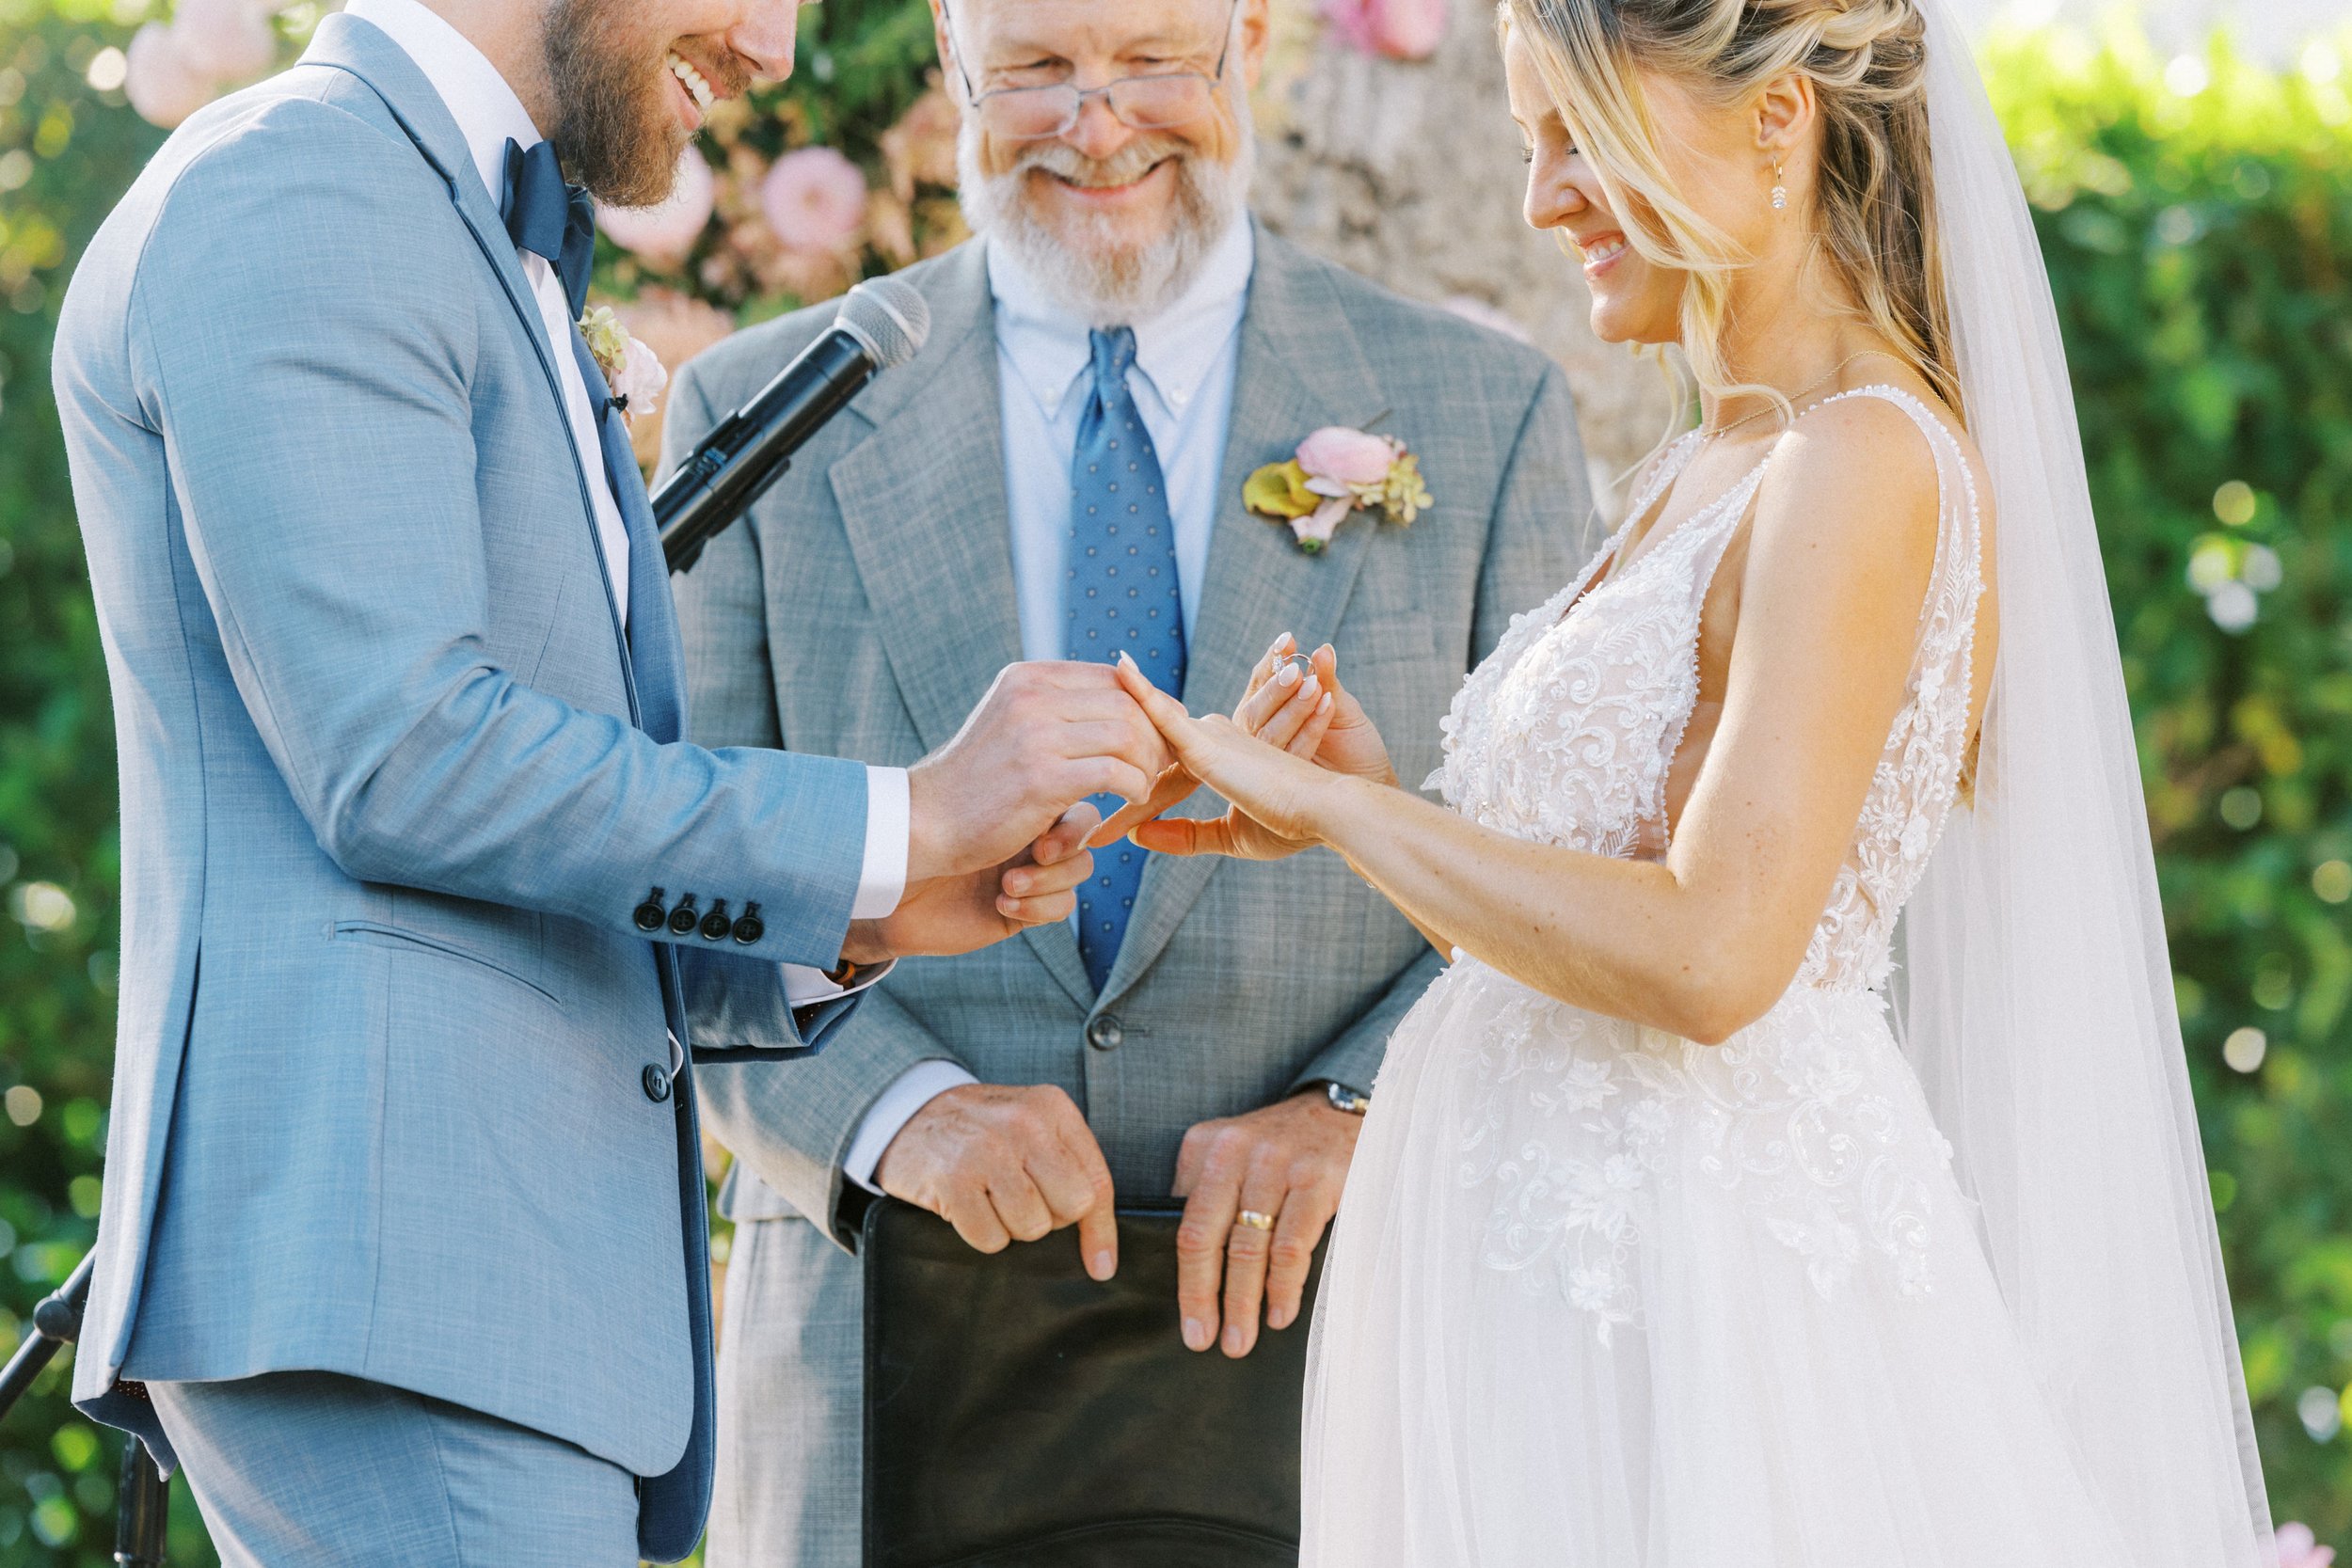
column 1045, row 736
column 975, row 908
column 1287, row 1162
column 1004, row 1164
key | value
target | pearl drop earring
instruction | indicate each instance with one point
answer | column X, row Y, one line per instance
column 1780, row 191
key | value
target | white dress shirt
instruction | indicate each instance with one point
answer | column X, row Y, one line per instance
column 490, row 115
column 1182, row 384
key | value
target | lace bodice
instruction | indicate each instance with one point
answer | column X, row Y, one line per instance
column 1568, row 731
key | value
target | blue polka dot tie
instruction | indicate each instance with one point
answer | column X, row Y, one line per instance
column 1119, row 594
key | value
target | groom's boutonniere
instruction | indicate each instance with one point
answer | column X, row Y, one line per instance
column 632, row 369
column 1336, row 471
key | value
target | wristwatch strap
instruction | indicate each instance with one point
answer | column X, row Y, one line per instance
column 1342, row 1098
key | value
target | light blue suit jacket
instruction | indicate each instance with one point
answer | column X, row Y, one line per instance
column 390, row 1093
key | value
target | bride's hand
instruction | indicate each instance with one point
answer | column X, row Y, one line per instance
column 1273, row 793
column 1309, row 715
column 1312, row 715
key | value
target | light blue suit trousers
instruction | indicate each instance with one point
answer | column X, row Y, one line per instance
column 303, row 1469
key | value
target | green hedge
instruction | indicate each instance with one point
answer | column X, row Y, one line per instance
column 2199, row 241
column 2197, row 216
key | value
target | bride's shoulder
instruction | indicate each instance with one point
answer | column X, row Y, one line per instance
column 1891, row 444
column 1859, row 480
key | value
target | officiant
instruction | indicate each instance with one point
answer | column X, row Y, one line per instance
column 1061, row 474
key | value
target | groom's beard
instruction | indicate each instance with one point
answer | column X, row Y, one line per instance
column 617, row 133
column 1109, row 281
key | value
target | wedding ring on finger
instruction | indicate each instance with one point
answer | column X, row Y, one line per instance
column 1254, row 1219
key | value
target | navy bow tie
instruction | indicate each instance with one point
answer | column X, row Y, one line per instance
column 549, row 218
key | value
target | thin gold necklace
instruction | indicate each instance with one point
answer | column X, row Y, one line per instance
column 1836, row 370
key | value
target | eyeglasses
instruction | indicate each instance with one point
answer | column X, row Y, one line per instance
column 1154, row 103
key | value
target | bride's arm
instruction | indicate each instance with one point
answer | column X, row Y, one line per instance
column 1703, row 943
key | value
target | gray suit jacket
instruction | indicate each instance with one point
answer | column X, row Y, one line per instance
column 392, row 1082
column 869, row 601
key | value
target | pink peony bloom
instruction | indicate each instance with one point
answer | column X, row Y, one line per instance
column 665, row 232
column 226, row 41
column 161, row 85
column 2298, row 1548
column 1345, row 456
column 1393, row 29
column 815, row 199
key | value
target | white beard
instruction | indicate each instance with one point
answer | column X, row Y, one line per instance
column 1107, row 284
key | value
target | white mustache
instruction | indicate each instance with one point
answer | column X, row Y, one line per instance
column 1125, row 167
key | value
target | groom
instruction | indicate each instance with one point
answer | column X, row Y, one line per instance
column 1106, row 365
column 402, row 1254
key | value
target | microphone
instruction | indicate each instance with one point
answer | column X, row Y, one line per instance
column 883, row 323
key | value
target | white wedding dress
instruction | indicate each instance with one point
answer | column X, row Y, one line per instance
column 1600, row 1297
column 1916, row 1275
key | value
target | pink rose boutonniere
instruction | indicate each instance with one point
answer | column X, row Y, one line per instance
column 632, row 371
column 1338, row 471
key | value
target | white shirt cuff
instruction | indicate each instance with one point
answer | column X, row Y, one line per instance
column 915, row 1088
column 804, row 987
column 889, row 816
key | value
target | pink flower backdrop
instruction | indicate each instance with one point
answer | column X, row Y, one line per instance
column 787, row 198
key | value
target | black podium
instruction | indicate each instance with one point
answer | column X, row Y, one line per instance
column 1019, row 1414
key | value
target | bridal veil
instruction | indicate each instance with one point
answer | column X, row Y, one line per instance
column 2036, row 1002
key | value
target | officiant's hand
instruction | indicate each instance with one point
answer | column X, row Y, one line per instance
column 1045, row 736
column 1306, row 712
column 1288, row 1163
column 975, row 908
column 1002, row 1163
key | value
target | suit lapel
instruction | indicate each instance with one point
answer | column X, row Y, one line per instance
column 656, row 657
column 923, row 501
column 348, row 43
column 1300, row 369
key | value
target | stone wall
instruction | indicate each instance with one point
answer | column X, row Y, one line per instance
column 1411, row 173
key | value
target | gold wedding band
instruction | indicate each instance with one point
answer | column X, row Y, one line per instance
column 1254, row 1220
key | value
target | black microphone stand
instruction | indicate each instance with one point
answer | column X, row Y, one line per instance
column 143, row 1496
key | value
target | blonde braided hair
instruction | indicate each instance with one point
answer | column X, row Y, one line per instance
column 1875, row 199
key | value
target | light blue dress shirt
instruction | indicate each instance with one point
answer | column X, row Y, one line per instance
column 1183, row 384
column 1185, row 358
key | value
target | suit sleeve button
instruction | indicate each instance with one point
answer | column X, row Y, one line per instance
column 650, row 914
column 748, row 929
column 684, row 918
column 716, row 924
column 657, row 1081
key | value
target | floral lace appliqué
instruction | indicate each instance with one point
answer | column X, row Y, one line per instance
column 1575, row 1123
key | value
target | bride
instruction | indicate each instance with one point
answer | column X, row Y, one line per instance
column 1708, row 1213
